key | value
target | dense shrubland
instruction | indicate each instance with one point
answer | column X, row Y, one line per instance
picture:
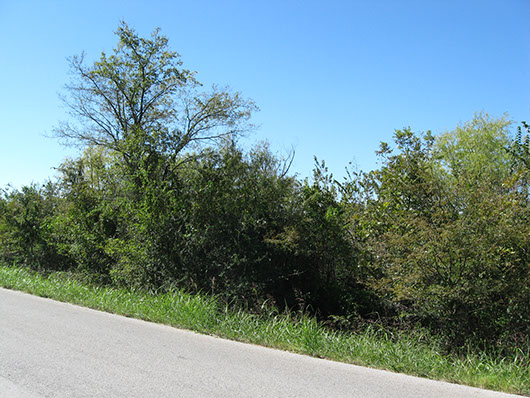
column 162, row 196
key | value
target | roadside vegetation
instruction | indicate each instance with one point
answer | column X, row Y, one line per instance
column 426, row 260
column 414, row 353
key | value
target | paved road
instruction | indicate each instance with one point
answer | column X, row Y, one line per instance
column 52, row 349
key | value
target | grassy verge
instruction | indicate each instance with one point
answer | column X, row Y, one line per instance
column 374, row 348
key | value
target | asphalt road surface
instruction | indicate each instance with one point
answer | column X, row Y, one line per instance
column 52, row 349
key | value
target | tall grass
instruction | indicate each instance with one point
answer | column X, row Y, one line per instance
column 374, row 347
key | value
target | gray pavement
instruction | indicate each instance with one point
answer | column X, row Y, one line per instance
column 52, row 349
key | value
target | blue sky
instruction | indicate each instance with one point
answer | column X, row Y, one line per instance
column 332, row 79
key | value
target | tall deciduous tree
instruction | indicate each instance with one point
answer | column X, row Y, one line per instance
column 140, row 102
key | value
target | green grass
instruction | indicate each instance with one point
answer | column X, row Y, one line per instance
column 302, row 334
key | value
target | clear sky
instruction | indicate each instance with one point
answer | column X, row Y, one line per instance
column 332, row 78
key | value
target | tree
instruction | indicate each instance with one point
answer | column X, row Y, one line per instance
column 476, row 149
column 139, row 116
column 447, row 235
column 519, row 149
column 140, row 103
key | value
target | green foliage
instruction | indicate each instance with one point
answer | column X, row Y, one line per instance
column 26, row 233
column 476, row 150
column 519, row 149
column 237, row 202
column 88, row 216
column 447, row 245
column 162, row 197
column 317, row 243
column 140, row 103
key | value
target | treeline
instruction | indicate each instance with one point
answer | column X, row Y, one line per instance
column 437, row 237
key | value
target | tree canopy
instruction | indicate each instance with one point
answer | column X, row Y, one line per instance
column 139, row 101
